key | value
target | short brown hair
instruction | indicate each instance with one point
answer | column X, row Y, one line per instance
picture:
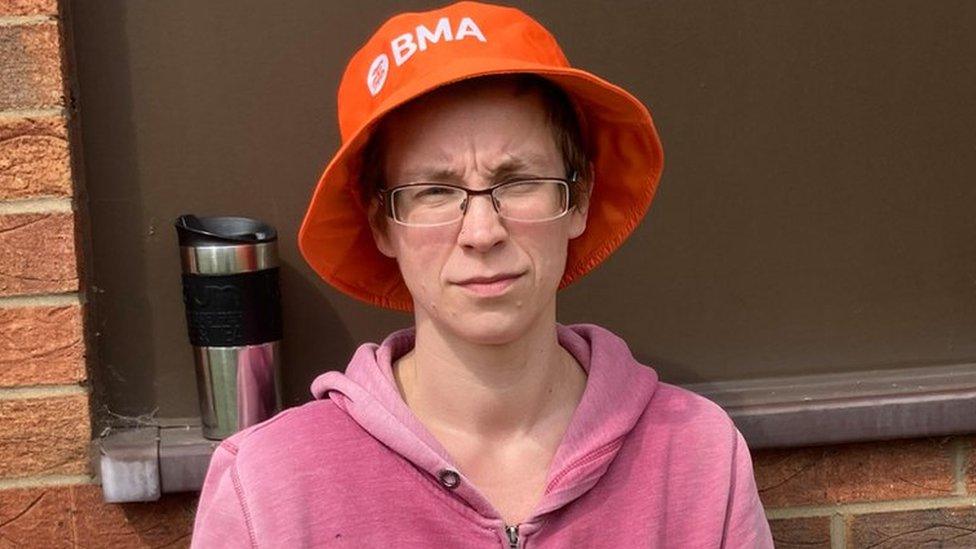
column 562, row 116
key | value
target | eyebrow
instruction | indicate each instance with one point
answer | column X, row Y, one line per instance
column 506, row 169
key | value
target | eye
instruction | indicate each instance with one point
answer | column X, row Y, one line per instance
column 434, row 191
column 523, row 187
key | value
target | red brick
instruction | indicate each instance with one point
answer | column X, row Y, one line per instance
column 37, row 253
column 36, row 517
column 76, row 516
column 30, row 62
column 44, row 436
column 28, row 7
column 34, row 158
column 801, row 533
column 946, row 528
column 41, row 345
column 167, row 522
column 970, row 465
column 869, row 471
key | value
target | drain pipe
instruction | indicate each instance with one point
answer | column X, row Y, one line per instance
column 142, row 463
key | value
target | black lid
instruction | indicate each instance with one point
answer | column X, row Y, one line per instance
column 210, row 231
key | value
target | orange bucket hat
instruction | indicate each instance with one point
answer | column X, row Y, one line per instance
column 414, row 53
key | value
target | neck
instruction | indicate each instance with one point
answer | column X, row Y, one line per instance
column 490, row 391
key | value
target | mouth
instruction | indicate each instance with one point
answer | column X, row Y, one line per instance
column 487, row 286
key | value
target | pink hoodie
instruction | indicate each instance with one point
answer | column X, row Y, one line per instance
column 642, row 464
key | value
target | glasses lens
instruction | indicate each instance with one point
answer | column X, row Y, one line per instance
column 533, row 200
column 427, row 204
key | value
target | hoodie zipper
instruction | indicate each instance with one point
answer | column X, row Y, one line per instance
column 513, row 539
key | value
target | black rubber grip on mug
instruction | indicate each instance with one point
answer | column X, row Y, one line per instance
column 233, row 310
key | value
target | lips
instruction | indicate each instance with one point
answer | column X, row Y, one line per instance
column 488, row 279
column 488, row 286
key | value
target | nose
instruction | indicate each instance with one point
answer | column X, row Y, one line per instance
column 481, row 226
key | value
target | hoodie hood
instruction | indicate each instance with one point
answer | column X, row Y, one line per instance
column 618, row 390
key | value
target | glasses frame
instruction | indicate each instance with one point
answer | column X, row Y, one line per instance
column 387, row 202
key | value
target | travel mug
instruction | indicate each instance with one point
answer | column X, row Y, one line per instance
column 233, row 317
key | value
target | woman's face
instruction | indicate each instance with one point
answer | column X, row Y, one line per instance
column 477, row 138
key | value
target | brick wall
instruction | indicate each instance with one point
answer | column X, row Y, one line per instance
column 910, row 493
column 47, row 494
column 904, row 493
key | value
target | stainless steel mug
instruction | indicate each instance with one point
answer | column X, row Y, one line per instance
column 233, row 316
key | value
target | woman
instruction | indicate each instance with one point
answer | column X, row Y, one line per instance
column 478, row 174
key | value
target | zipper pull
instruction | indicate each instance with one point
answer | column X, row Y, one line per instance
column 512, row 532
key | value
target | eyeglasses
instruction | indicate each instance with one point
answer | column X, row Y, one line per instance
column 431, row 204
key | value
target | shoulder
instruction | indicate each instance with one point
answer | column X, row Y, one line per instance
column 686, row 417
column 673, row 400
column 312, row 432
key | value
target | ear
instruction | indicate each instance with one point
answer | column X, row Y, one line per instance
column 577, row 221
column 578, row 215
column 378, row 225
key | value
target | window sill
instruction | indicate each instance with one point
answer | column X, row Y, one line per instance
column 140, row 464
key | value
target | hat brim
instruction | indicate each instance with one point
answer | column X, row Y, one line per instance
column 626, row 152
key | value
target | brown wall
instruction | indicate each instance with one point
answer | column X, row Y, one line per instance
column 888, row 494
column 814, row 215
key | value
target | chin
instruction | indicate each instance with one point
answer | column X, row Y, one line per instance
column 489, row 327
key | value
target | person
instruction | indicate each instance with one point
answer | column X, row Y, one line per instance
column 479, row 173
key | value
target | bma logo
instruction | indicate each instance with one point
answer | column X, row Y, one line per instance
column 404, row 46
column 376, row 76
